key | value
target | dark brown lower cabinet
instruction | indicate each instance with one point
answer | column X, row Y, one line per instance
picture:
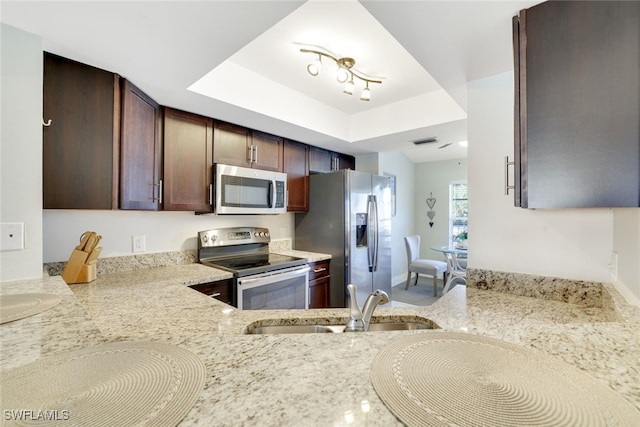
column 220, row 290
column 319, row 284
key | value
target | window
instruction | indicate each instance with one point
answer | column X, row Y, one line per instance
column 458, row 215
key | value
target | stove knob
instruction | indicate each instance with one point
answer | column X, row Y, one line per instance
column 266, row 234
column 205, row 238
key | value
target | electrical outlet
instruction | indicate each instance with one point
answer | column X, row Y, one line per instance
column 12, row 236
column 138, row 243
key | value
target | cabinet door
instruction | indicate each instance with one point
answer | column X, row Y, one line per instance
column 220, row 290
column 141, row 154
column 319, row 284
column 188, row 160
column 267, row 151
column 231, row 144
column 319, row 293
column 578, row 104
column 320, row 160
column 342, row 161
column 296, row 166
column 80, row 147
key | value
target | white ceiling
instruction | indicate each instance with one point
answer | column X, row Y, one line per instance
column 239, row 61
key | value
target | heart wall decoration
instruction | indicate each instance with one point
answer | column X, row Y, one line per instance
column 431, row 202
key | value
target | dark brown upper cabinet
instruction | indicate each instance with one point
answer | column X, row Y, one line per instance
column 296, row 166
column 238, row 146
column 80, row 147
column 577, row 105
column 188, row 161
column 141, row 150
column 267, row 151
column 325, row 161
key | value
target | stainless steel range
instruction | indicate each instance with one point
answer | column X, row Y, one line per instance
column 263, row 280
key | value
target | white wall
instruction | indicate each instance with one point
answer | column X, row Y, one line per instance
column 626, row 243
column 21, row 149
column 567, row 243
column 403, row 223
column 164, row 231
column 432, row 180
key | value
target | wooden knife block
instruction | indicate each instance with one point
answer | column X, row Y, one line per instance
column 76, row 271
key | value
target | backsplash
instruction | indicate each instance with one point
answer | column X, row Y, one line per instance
column 131, row 262
column 586, row 294
column 150, row 260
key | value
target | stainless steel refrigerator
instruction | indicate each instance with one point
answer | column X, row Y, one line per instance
column 350, row 218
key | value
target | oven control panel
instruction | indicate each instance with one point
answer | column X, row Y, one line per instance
column 233, row 236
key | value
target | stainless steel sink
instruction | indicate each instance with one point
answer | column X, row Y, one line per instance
column 399, row 326
column 335, row 329
column 291, row 329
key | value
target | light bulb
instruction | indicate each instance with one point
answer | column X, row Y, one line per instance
column 366, row 94
column 348, row 88
column 314, row 67
column 342, row 75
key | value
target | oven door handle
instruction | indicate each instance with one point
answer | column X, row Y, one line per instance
column 270, row 278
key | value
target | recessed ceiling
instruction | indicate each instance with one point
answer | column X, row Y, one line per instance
column 245, row 58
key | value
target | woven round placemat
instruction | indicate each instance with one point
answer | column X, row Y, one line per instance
column 116, row 384
column 18, row 306
column 455, row 379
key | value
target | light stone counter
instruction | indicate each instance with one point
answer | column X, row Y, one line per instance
column 313, row 379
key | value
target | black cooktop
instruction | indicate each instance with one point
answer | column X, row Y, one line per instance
column 247, row 265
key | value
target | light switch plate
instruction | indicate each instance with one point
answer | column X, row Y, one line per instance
column 12, row 236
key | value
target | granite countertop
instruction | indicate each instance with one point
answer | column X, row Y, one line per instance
column 312, row 379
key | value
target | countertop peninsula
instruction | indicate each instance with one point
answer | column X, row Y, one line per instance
column 311, row 379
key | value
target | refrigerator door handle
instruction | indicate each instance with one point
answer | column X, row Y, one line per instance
column 375, row 235
column 370, row 240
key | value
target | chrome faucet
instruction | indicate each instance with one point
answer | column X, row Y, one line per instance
column 359, row 320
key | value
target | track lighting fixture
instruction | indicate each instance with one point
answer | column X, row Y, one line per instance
column 344, row 74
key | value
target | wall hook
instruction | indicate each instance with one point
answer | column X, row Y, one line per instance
column 48, row 123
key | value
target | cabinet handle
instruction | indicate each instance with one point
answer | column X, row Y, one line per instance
column 250, row 154
column 47, row 123
column 319, row 270
column 255, row 159
column 216, row 294
column 159, row 198
column 211, row 194
column 507, row 187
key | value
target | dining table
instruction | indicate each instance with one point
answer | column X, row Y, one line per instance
column 455, row 271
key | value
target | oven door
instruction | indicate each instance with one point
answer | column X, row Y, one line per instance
column 276, row 290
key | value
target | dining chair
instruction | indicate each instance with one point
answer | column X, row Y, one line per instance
column 419, row 266
column 456, row 270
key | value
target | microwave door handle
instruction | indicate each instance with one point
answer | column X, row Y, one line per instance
column 271, row 194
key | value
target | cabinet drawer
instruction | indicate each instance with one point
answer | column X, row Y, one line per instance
column 319, row 269
column 220, row 290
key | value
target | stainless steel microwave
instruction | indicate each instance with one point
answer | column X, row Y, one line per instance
column 249, row 191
